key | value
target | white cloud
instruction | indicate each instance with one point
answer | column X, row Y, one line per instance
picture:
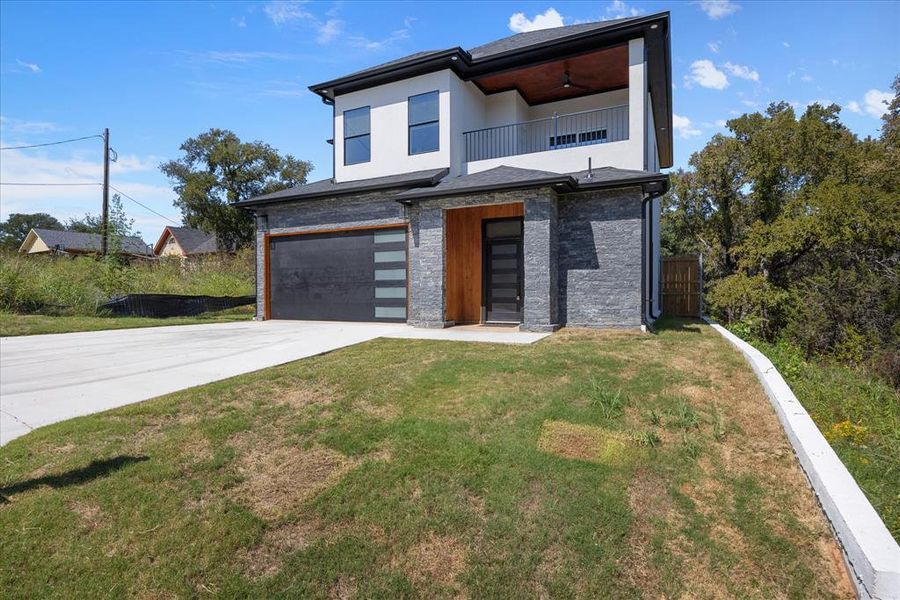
column 785, row 44
column 519, row 23
column 741, row 71
column 129, row 174
column 239, row 57
column 683, row 127
column 853, row 106
column 329, row 30
column 721, row 123
column 806, row 77
column 360, row 41
column 750, row 103
column 876, row 102
column 705, row 74
column 618, row 9
column 33, row 67
column 713, row 47
column 285, row 11
column 18, row 126
column 240, row 23
column 716, row 9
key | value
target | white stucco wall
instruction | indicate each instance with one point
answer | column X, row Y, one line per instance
column 389, row 119
column 463, row 107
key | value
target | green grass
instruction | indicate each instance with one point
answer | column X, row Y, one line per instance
column 399, row 468
column 859, row 414
column 14, row 324
column 78, row 286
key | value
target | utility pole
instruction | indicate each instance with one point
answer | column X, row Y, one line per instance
column 104, row 224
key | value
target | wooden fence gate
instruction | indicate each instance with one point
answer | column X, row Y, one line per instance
column 682, row 285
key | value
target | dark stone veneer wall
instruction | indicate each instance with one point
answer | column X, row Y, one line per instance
column 582, row 251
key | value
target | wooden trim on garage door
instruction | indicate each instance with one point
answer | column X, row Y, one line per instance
column 267, row 294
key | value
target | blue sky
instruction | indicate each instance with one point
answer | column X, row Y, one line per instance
column 157, row 73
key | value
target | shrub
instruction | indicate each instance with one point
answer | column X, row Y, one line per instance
column 79, row 285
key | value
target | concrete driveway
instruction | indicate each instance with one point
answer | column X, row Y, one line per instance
column 49, row 378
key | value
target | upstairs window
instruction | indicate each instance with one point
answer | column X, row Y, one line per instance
column 424, row 123
column 357, row 140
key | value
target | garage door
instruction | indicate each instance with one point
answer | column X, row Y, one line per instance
column 355, row 275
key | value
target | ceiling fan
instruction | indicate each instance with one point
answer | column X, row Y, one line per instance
column 569, row 84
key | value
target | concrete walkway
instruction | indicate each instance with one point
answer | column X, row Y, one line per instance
column 49, row 378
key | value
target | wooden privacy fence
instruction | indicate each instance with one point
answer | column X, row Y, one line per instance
column 682, row 285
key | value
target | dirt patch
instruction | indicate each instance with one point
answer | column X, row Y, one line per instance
column 279, row 479
column 265, row 558
column 91, row 514
column 301, row 397
column 584, row 442
column 649, row 501
column 342, row 589
column 379, row 411
column 438, row 558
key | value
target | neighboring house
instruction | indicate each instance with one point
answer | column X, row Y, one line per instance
column 41, row 241
column 185, row 242
column 517, row 182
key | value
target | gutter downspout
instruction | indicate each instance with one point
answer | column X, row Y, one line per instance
column 647, row 262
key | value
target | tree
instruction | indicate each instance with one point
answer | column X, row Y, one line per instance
column 217, row 170
column 120, row 225
column 17, row 226
column 800, row 223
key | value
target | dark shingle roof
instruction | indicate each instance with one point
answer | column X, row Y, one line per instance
column 397, row 61
column 540, row 36
column 503, row 178
column 328, row 187
column 194, row 241
column 517, row 42
column 89, row 242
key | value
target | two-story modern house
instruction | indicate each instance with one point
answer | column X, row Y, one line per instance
column 514, row 183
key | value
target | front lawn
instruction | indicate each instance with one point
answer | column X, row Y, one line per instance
column 15, row 324
column 590, row 464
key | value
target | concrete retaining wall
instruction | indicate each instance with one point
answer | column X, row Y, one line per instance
column 869, row 549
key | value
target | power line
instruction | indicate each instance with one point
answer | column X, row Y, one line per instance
column 22, row 183
column 87, row 137
column 145, row 206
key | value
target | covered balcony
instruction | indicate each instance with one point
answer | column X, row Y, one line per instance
column 572, row 130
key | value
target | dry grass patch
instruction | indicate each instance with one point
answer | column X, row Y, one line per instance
column 585, row 442
column 91, row 514
column 280, row 478
column 436, row 559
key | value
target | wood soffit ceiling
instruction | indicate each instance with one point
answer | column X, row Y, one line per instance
column 598, row 71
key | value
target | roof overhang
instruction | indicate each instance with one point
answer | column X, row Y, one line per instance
column 653, row 28
column 655, row 184
column 157, row 248
column 425, row 181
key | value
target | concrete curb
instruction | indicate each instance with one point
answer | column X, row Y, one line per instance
column 869, row 549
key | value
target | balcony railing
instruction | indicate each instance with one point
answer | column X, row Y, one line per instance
column 559, row 131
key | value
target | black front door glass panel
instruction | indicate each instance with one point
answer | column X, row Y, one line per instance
column 503, row 270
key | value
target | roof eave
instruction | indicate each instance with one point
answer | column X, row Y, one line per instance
column 412, row 183
column 561, row 183
column 651, row 184
column 452, row 58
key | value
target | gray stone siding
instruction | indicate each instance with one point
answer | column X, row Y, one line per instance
column 541, row 243
column 428, row 243
column 600, row 258
column 582, row 252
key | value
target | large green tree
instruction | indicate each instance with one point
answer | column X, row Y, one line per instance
column 14, row 229
column 218, row 169
column 799, row 221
